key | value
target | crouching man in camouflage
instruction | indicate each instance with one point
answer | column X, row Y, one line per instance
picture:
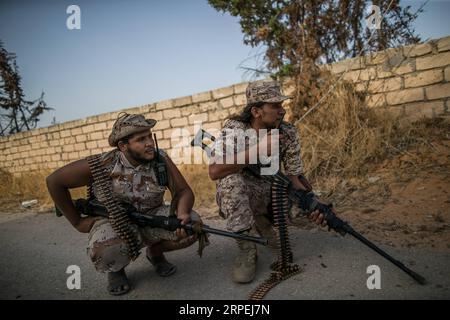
column 131, row 176
column 243, row 199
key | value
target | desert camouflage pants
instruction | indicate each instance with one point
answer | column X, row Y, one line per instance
column 110, row 254
column 242, row 198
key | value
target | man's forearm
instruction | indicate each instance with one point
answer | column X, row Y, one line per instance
column 185, row 201
column 63, row 200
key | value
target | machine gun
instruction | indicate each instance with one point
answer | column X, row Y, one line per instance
column 307, row 201
column 97, row 209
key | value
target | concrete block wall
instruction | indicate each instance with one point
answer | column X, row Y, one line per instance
column 410, row 81
column 54, row 146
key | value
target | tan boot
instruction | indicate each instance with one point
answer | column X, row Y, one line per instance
column 244, row 267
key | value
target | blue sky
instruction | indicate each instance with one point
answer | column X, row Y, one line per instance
column 130, row 53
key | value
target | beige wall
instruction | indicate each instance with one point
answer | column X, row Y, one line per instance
column 412, row 81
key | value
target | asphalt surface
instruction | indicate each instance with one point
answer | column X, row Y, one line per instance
column 36, row 250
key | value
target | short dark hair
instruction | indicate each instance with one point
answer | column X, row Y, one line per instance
column 126, row 139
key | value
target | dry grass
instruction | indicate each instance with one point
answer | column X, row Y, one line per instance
column 343, row 138
column 203, row 187
column 14, row 190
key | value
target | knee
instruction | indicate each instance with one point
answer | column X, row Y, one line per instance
column 110, row 257
column 106, row 250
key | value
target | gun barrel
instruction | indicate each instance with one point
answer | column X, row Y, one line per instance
column 172, row 224
column 343, row 228
column 262, row 241
column 417, row 277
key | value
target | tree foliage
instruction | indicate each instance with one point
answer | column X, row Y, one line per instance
column 297, row 36
column 16, row 113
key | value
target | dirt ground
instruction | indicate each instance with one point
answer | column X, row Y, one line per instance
column 409, row 205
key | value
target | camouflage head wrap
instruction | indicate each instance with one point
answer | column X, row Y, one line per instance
column 264, row 91
column 127, row 124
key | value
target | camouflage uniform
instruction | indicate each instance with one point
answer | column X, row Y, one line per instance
column 241, row 196
column 137, row 186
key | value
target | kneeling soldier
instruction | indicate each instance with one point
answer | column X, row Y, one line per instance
column 129, row 175
column 243, row 199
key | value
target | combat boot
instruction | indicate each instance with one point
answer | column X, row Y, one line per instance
column 244, row 267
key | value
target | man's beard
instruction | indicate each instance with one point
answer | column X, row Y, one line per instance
column 137, row 157
column 270, row 126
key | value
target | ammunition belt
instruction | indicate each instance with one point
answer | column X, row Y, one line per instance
column 118, row 217
column 282, row 267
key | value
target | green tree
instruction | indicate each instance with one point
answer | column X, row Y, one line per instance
column 16, row 113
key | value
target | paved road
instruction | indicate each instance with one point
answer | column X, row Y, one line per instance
column 36, row 250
